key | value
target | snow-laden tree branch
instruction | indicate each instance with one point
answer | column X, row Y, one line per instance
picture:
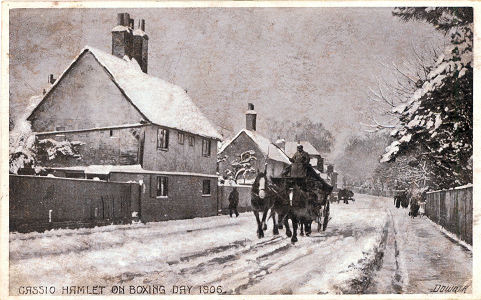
column 438, row 116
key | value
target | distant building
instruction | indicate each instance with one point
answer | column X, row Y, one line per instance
column 133, row 126
column 249, row 140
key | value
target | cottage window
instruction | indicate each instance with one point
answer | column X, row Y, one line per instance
column 181, row 137
column 205, row 147
column 162, row 138
column 191, row 140
column 206, row 187
column 60, row 128
column 162, row 186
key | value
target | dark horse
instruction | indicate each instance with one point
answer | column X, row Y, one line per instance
column 263, row 198
column 286, row 199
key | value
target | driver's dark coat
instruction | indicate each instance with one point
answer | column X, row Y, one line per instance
column 300, row 162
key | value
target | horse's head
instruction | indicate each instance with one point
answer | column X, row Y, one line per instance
column 260, row 185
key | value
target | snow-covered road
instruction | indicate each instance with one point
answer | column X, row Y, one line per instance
column 368, row 247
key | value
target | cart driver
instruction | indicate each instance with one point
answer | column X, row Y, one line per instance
column 300, row 163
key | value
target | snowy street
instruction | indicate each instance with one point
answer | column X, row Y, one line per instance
column 368, row 247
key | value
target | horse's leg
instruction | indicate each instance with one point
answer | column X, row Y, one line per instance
column 275, row 231
column 263, row 223
column 280, row 221
column 294, row 229
column 301, row 223
column 264, row 217
column 259, row 227
column 286, row 223
column 308, row 228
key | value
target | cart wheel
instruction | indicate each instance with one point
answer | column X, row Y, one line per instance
column 325, row 215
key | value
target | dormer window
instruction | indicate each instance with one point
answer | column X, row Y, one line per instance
column 162, row 138
column 205, row 147
column 181, row 137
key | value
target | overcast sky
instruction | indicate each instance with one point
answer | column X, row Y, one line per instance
column 290, row 62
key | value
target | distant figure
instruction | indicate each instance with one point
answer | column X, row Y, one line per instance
column 345, row 195
column 417, row 197
column 414, row 207
column 233, row 202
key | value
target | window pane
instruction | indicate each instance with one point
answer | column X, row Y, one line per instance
column 162, row 186
column 166, row 138
column 165, row 185
column 162, row 138
column 205, row 147
column 206, row 187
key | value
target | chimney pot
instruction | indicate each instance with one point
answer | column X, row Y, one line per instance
column 126, row 19
column 251, row 117
column 51, row 80
column 120, row 19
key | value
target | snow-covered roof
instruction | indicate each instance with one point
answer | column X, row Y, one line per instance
column 291, row 148
column 160, row 102
column 268, row 149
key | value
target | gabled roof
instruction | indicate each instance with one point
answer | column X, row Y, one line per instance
column 291, row 148
column 160, row 102
column 268, row 149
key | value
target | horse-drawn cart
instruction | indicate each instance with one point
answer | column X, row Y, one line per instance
column 300, row 199
column 310, row 194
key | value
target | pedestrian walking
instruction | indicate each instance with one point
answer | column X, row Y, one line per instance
column 233, row 202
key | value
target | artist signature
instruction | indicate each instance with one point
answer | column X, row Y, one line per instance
column 449, row 289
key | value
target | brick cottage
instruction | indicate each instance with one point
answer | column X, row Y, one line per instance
column 133, row 126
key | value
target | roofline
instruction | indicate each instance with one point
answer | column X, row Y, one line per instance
column 282, row 151
column 267, row 157
column 230, row 142
column 112, row 77
column 82, row 52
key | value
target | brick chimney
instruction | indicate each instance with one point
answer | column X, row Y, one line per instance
column 122, row 40
column 251, row 117
column 51, row 80
column 141, row 46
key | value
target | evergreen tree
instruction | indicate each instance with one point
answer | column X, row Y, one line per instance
column 436, row 124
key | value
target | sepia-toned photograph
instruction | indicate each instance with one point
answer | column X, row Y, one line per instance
column 239, row 150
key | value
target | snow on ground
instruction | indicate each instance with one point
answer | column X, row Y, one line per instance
column 225, row 252
column 429, row 257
